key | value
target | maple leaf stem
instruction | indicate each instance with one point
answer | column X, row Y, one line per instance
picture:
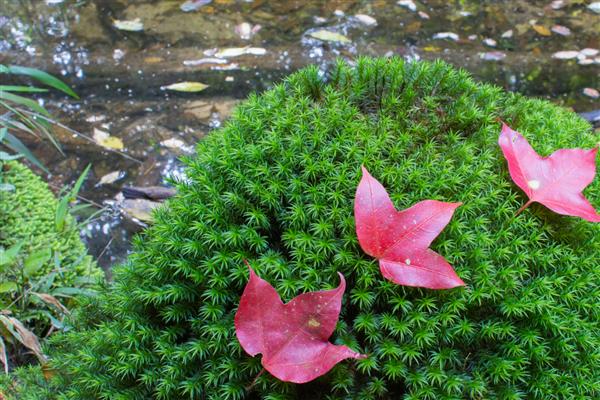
column 523, row 208
column 249, row 388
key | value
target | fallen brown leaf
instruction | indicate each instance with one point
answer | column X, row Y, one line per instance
column 28, row 339
column 49, row 299
column 3, row 356
column 542, row 30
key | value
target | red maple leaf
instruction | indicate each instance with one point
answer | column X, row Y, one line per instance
column 555, row 181
column 401, row 239
column 294, row 337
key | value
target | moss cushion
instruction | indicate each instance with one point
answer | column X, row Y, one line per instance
column 28, row 214
column 276, row 186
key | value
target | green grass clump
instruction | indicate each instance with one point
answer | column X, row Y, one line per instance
column 27, row 215
column 276, row 186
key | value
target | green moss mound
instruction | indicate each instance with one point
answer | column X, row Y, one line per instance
column 28, row 214
column 26, row 383
column 276, row 186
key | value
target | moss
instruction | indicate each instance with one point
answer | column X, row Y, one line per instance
column 27, row 214
column 34, row 382
column 276, row 186
column 26, row 383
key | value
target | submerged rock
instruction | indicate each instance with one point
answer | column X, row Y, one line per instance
column 156, row 193
column 139, row 209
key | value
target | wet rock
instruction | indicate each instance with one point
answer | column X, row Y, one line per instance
column 139, row 209
column 595, row 7
column 201, row 110
column 565, row 55
column 329, row 6
column 585, row 61
column 286, row 7
column 96, row 118
column 492, row 56
column 89, row 27
column 246, row 31
column 177, row 145
column 205, row 111
column 153, row 169
column 447, row 35
column 366, row 19
column 225, row 108
column 490, row 42
column 155, row 193
column 193, row 5
column 147, row 129
column 561, row 30
column 133, row 25
column 118, row 55
column 588, row 52
column 408, row 4
column 591, row 116
column 591, row 93
column 329, row 36
column 165, row 22
column 413, row 27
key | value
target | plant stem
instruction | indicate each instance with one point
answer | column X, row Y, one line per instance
column 262, row 371
column 85, row 200
column 23, row 294
column 523, row 208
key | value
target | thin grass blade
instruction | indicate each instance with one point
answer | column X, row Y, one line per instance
column 41, row 76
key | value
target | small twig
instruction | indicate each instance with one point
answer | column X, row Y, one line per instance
column 14, row 302
column 105, row 248
column 249, row 388
column 91, row 221
column 523, row 208
column 50, row 330
column 92, row 202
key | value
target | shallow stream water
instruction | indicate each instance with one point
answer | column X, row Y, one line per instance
column 121, row 75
